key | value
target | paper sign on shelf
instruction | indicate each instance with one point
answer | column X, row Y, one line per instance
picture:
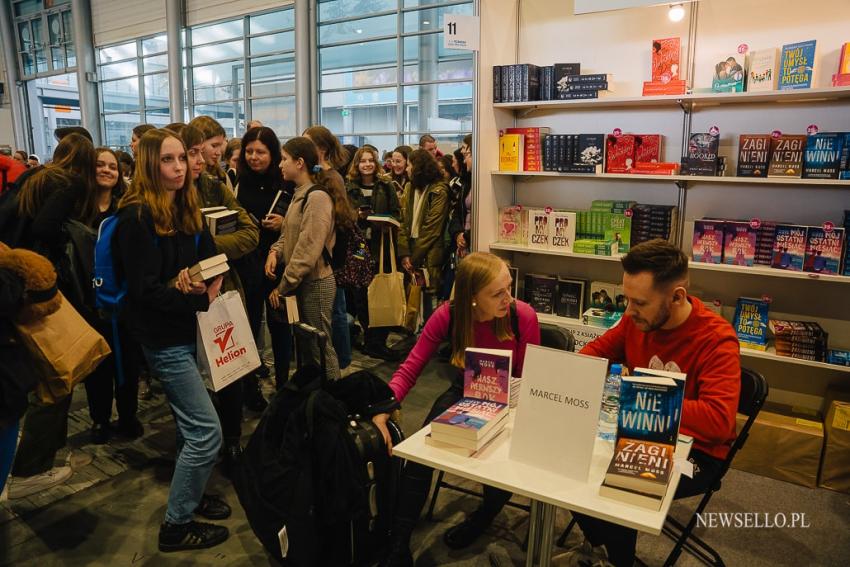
column 461, row 32
column 558, row 411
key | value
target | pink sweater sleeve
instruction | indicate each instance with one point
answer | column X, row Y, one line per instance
column 435, row 331
column 529, row 333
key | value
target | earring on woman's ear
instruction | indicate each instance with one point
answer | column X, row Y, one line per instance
column 474, row 304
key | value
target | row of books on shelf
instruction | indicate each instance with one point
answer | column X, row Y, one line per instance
column 805, row 340
column 609, row 228
column 561, row 81
column 599, row 304
column 767, row 69
column 815, row 249
column 820, row 155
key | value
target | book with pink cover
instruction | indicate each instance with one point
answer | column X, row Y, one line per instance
column 486, row 374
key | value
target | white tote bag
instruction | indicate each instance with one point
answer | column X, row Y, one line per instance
column 226, row 348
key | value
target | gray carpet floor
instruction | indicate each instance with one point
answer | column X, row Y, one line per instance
column 109, row 512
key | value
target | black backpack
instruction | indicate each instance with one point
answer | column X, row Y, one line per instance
column 308, row 493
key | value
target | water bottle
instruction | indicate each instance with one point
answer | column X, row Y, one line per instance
column 610, row 404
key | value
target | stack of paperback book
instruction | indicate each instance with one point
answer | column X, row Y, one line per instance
column 471, row 423
column 799, row 339
column 528, row 140
column 606, row 229
column 638, row 154
column 647, row 431
column 209, row 268
column 653, row 221
column 220, row 220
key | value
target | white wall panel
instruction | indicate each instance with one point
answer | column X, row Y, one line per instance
column 114, row 21
column 203, row 11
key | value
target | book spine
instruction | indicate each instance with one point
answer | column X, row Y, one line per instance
column 581, row 87
column 594, row 78
column 570, row 95
column 524, row 80
column 497, row 83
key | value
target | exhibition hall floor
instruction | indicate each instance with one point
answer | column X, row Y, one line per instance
column 109, row 511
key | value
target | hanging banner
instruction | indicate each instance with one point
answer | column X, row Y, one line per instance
column 461, row 32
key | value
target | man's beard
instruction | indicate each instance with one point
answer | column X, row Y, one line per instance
column 660, row 320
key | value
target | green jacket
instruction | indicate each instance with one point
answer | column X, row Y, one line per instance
column 426, row 251
column 384, row 201
column 214, row 193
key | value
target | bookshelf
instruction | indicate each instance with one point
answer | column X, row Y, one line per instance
column 533, row 31
column 835, row 183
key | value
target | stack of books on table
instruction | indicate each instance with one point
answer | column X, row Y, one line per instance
column 647, row 430
column 478, row 418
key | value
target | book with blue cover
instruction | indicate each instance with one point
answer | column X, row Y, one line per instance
column 822, row 158
column 797, row 65
column 823, row 250
column 647, row 431
column 750, row 322
column 789, row 247
column 470, row 418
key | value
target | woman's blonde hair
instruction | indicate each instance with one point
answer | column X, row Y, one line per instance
column 184, row 214
column 477, row 271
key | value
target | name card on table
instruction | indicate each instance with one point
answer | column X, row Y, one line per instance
column 558, row 411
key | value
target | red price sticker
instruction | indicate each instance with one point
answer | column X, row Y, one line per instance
column 776, row 133
column 629, row 213
column 714, row 130
column 548, row 210
column 766, row 298
column 755, row 223
column 812, row 129
column 518, row 207
column 743, row 48
column 617, row 132
column 828, row 227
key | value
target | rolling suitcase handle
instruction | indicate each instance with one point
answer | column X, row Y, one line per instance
column 309, row 333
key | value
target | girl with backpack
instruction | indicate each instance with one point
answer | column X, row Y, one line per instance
column 482, row 315
column 332, row 156
column 308, row 230
column 159, row 236
column 101, row 385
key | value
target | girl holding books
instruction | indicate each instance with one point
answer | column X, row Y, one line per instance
column 307, row 230
column 372, row 193
column 160, row 235
column 215, row 139
column 482, row 315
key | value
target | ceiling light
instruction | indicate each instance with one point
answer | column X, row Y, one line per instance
column 676, row 13
column 426, row 22
column 361, row 31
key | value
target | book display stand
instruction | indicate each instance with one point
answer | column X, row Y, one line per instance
column 619, row 43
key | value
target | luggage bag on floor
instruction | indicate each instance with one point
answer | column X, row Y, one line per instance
column 315, row 480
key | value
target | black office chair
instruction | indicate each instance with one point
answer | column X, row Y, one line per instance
column 750, row 401
column 551, row 336
column 753, row 395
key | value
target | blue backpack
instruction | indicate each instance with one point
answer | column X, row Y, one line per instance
column 109, row 291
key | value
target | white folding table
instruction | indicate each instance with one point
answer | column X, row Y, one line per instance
column 546, row 490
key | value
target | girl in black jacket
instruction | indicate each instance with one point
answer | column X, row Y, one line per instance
column 159, row 236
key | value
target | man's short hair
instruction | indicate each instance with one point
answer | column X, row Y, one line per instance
column 426, row 139
column 666, row 262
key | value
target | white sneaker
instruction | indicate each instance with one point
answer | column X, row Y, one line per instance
column 19, row 487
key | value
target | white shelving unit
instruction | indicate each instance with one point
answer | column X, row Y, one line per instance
column 532, row 31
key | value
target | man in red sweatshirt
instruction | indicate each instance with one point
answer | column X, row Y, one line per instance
column 665, row 328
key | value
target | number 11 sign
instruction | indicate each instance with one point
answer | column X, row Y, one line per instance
column 461, row 32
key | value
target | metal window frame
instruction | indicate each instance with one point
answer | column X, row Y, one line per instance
column 44, row 42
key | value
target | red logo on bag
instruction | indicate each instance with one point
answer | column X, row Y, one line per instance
column 223, row 339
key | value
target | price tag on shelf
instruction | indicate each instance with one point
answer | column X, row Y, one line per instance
column 828, row 227
column 755, row 223
column 714, row 130
column 812, row 129
column 766, row 298
column 743, row 48
column 776, row 133
column 628, row 213
column 617, row 132
column 461, row 32
column 548, row 210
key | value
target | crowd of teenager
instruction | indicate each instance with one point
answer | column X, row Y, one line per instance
column 292, row 202
column 285, row 230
